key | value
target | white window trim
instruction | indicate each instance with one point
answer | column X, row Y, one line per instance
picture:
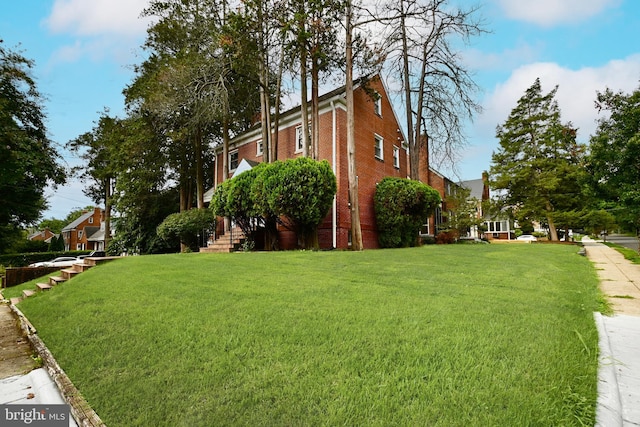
column 377, row 104
column 231, row 153
column 79, row 234
column 299, row 147
column 90, row 220
column 396, row 157
column 378, row 139
column 259, row 150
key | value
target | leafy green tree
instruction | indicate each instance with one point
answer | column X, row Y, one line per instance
column 28, row 161
column 402, row 206
column 143, row 198
column 98, row 149
column 538, row 168
column 614, row 160
column 185, row 227
column 597, row 221
column 463, row 214
column 53, row 224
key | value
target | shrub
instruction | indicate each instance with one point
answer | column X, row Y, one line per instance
column 299, row 192
column 185, row 226
column 402, row 206
column 445, row 238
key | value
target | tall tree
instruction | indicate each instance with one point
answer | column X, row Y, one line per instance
column 438, row 89
column 99, row 168
column 28, row 161
column 538, row 165
column 356, row 228
column 191, row 87
column 614, row 160
column 143, row 194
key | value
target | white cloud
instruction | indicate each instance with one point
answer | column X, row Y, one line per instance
column 547, row 13
column 576, row 91
column 522, row 53
column 576, row 97
column 98, row 17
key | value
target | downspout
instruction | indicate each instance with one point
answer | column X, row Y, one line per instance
column 334, row 220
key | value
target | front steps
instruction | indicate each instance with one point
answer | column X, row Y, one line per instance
column 229, row 242
column 65, row 274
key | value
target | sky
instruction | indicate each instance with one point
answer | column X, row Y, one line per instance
column 84, row 51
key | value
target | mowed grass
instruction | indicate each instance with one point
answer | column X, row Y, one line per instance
column 459, row 335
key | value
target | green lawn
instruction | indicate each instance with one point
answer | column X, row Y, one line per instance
column 453, row 335
column 628, row 253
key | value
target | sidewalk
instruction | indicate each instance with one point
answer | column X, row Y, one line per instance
column 619, row 372
column 20, row 383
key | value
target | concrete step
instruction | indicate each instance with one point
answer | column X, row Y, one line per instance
column 56, row 280
column 43, row 286
column 28, row 292
column 15, row 300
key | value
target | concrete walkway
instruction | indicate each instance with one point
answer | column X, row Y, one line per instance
column 20, row 383
column 619, row 337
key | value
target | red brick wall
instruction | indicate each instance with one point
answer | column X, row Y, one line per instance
column 369, row 169
column 71, row 238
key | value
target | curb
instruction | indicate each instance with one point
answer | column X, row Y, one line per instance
column 609, row 404
column 84, row 415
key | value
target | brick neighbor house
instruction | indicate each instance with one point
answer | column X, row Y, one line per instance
column 43, row 235
column 380, row 152
column 86, row 232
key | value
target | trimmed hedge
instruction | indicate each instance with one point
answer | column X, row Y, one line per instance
column 402, row 206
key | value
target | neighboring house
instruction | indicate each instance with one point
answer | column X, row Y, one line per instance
column 380, row 152
column 44, row 235
column 86, row 232
column 479, row 193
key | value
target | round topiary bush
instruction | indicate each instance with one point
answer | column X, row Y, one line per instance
column 402, row 206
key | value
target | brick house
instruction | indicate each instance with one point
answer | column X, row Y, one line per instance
column 86, row 232
column 380, row 152
column 43, row 235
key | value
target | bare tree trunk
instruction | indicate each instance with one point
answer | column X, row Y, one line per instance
column 199, row 170
column 552, row 226
column 315, row 112
column 107, row 214
column 356, row 230
column 225, row 149
column 276, row 119
column 304, row 107
column 414, row 160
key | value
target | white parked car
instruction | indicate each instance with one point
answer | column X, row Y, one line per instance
column 527, row 238
column 63, row 261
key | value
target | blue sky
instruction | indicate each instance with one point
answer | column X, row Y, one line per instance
column 84, row 50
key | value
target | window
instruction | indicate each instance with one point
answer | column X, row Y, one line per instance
column 259, row 147
column 497, row 226
column 299, row 143
column 396, row 157
column 233, row 160
column 79, row 234
column 378, row 147
column 90, row 220
column 377, row 104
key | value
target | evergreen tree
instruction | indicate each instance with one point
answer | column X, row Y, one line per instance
column 537, row 168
